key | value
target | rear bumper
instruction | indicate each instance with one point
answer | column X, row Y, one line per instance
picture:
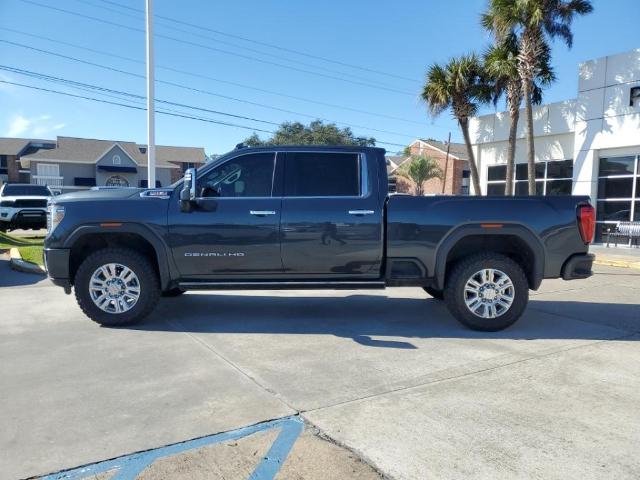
column 578, row 267
column 56, row 262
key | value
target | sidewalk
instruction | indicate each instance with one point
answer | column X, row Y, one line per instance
column 621, row 256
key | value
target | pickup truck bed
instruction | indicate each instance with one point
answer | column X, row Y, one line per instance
column 311, row 217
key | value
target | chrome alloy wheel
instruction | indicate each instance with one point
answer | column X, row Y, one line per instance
column 114, row 288
column 489, row 293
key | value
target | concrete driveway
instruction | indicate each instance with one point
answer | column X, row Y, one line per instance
column 387, row 374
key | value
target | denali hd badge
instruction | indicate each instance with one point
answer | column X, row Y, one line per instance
column 214, row 254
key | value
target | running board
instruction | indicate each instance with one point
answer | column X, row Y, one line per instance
column 292, row 285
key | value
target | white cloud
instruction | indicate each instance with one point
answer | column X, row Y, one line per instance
column 38, row 126
column 18, row 126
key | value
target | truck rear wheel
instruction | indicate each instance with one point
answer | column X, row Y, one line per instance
column 116, row 286
column 487, row 292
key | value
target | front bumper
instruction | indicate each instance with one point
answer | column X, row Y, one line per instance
column 56, row 263
column 24, row 217
column 578, row 266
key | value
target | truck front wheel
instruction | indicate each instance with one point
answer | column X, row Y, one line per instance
column 116, row 286
column 487, row 292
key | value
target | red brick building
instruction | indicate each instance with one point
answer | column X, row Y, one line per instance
column 456, row 175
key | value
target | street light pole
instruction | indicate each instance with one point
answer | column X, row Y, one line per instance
column 151, row 134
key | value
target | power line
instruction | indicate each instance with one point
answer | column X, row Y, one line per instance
column 119, row 104
column 197, row 90
column 265, row 44
column 214, row 79
column 227, row 52
column 74, row 83
column 162, row 112
column 217, row 40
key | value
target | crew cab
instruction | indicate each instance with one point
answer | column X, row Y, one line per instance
column 23, row 205
column 311, row 217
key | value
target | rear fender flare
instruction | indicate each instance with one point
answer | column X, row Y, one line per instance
column 518, row 230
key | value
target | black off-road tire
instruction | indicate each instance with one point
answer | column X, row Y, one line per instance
column 141, row 266
column 172, row 292
column 434, row 292
column 464, row 269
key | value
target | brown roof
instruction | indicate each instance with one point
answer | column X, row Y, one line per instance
column 458, row 150
column 13, row 146
column 87, row 150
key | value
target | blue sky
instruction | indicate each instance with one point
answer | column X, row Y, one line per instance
column 395, row 39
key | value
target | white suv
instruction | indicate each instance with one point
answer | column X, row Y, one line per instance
column 23, row 205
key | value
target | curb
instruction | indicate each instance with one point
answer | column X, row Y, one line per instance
column 20, row 265
column 615, row 263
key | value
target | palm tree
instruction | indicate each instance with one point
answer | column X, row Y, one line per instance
column 461, row 86
column 535, row 22
column 421, row 168
column 501, row 65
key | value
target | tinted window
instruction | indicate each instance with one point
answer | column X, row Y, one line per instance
column 250, row 175
column 614, row 211
column 522, row 171
column 311, row 174
column 563, row 169
column 522, row 188
column 559, row 187
column 498, row 172
column 615, row 187
column 20, row 190
column 495, row 188
column 616, row 166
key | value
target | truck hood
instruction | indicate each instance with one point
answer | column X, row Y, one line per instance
column 12, row 198
column 97, row 195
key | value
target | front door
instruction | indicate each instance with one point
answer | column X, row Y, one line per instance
column 331, row 222
column 234, row 228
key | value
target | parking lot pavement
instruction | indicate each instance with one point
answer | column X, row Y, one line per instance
column 388, row 374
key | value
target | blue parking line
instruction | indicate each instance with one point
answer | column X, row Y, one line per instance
column 129, row 466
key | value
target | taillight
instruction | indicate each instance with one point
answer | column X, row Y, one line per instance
column 586, row 222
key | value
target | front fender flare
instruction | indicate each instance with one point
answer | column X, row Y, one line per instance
column 159, row 247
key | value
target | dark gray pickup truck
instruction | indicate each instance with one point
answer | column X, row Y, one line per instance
column 311, row 217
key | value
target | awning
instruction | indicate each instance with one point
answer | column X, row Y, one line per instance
column 115, row 168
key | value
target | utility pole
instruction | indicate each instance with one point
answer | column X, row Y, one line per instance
column 151, row 127
column 446, row 164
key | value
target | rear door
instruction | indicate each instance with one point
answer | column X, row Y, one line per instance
column 331, row 222
column 234, row 229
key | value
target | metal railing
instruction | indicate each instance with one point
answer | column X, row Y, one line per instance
column 49, row 180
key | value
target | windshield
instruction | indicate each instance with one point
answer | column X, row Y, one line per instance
column 25, row 190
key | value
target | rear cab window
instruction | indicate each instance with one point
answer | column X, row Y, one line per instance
column 323, row 174
column 25, row 190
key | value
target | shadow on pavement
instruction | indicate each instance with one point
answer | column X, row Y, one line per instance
column 361, row 317
column 11, row 278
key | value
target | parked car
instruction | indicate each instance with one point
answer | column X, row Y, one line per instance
column 311, row 217
column 23, row 205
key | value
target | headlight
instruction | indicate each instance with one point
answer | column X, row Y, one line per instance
column 55, row 214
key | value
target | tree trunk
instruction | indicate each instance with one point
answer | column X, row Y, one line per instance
column 475, row 178
column 531, row 158
column 514, row 113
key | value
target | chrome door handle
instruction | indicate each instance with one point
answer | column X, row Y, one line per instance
column 262, row 213
column 361, row 212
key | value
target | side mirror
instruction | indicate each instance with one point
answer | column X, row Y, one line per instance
column 188, row 192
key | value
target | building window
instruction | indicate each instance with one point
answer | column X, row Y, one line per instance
column 3, row 164
column 618, row 192
column 552, row 178
column 116, row 160
column 187, row 165
column 116, row 181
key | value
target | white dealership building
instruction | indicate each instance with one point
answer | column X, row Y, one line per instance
column 589, row 145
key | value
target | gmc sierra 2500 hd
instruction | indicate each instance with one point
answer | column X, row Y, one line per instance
column 311, row 217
